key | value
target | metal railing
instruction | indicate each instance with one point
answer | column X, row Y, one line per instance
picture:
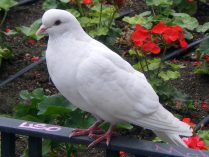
column 37, row 131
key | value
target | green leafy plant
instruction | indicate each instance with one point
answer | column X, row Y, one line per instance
column 5, row 53
column 31, row 30
column 56, row 110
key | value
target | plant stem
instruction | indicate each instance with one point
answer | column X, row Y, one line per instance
column 140, row 61
column 80, row 7
column 145, row 59
column 4, row 18
column 112, row 18
column 153, row 10
column 100, row 15
column 158, row 70
column 68, row 153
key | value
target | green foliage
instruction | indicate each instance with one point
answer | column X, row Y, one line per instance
column 203, row 28
column 159, row 2
column 204, row 134
column 31, row 30
column 7, row 4
column 5, row 53
column 185, row 20
column 202, row 52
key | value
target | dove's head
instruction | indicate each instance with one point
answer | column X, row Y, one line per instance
column 57, row 22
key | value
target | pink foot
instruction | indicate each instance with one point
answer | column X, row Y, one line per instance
column 91, row 130
column 99, row 138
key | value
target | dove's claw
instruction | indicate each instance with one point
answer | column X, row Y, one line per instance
column 107, row 136
column 90, row 130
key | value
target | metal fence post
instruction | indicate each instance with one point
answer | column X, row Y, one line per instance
column 7, row 144
column 35, row 146
column 112, row 153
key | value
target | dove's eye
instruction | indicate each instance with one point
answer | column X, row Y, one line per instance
column 58, row 22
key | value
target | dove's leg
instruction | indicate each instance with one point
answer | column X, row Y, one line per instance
column 91, row 130
column 107, row 136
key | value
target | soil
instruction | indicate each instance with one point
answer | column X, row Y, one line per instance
column 194, row 85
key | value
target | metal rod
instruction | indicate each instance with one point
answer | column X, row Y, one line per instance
column 7, row 144
column 35, row 146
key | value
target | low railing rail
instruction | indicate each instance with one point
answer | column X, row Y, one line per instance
column 37, row 131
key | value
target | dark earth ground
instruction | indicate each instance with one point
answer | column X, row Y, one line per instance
column 194, row 85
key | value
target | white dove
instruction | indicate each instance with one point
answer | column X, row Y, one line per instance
column 99, row 81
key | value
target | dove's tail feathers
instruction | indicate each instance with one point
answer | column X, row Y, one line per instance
column 163, row 121
column 171, row 138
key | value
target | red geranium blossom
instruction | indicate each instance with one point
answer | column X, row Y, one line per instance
column 206, row 57
column 159, row 28
column 31, row 41
column 195, row 143
column 188, row 121
column 170, row 35
column 34, row 59
column 151, row 47
column 122, row 153
column 140, row 36
column 87, row 2
column 7, row 30
column 204, row 105
column 196, row 63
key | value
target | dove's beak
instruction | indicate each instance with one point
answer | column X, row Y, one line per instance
column 41, row 30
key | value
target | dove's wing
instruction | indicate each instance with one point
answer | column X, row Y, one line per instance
column 118, row 92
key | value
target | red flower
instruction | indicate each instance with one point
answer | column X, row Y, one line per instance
column 140, row 36
column 7, row 30
column 195, row 143
column 34, row 59
column 188, row 121
column 151, row 47
column 159, row 28
column 182, row 41
column 31, row 41
column 170, row 35
column 87, row 2
column 122, row 153
column 196, row 63
column 206, row 57
column 204, row 105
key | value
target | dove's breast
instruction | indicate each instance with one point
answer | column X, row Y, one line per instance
column 62, row 66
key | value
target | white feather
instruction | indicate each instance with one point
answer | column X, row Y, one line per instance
column 99, row 81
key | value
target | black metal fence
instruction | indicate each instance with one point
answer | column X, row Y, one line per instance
column 37, row 131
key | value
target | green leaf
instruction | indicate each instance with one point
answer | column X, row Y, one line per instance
column 31, row 30
column 132, row 52
column 204, row 134
column 6, row 53
column 204, row 47
column 185, row 21
column 38, row 93
column 46, row 147
column 64, row 1
column 154, row 64
column 137, row 19
column 7, row 4
column 25, row 95
column 175, row 66
column 202, row 69
column 203, row 28
column 124, row 126
column 49, row 4
column 56, row 100
column 169, row 75
column 99, row 32
column 159, row 2
column 146, row 13
column 75, row 12
column 56, row 111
